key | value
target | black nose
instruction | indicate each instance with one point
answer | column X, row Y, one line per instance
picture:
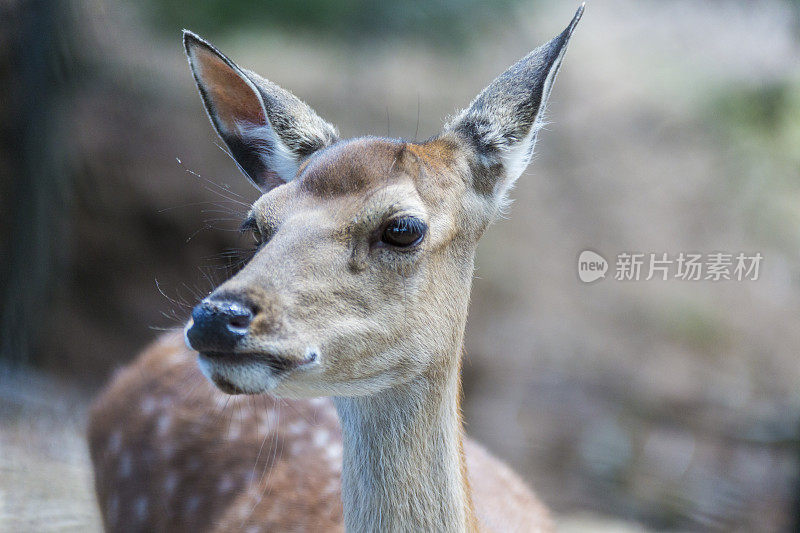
column 218, row 325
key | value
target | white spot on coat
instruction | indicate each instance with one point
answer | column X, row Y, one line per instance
column 321, row 437
column 225, row 484
column 163, row 424
column 333, row 452
column 140, row 508
column 297, row 428
column 171, row 483
column 269, row 419
column 148, row 405
column 192, row 505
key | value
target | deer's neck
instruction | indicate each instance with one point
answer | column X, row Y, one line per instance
column 403, row 458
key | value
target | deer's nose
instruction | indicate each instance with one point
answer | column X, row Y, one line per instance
column 218, row 325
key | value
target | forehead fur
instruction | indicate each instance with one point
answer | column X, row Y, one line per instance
column 357, row 166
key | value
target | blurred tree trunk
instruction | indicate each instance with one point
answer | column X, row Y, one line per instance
column 33, row 180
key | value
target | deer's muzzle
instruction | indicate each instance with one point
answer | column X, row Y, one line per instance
column 218, row 326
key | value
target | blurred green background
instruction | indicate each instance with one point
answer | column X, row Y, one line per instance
column 446, row 23
column 675, row 126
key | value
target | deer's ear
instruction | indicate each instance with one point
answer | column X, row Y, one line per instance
column 268, row 130
column 501, row 124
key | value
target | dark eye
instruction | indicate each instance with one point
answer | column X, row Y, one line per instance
column 251, row 225
column 404, row 232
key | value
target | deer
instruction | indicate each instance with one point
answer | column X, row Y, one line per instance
column 319, row 388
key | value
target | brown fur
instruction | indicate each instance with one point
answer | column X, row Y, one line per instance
column 351, row 167
column 204, row 461
column 231, row 105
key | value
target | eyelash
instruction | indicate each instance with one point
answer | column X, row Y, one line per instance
column 404, row 232
column 250, row 225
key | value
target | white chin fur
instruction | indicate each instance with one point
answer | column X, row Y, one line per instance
column 251, row 378
column 186, row 331
column 205, row 368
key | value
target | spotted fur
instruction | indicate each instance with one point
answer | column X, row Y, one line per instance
column 174, row 454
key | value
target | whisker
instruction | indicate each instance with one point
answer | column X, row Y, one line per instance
column 226, row 152
column 172, row 300
column 196, row 204
column 192, row 236
column 222, row 191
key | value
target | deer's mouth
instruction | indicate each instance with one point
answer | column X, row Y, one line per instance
column 250, row 372
column 238, row 373
column 277, row 363
column 226, row 386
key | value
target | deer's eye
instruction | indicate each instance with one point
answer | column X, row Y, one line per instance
column 404, row 232
column 251, row 225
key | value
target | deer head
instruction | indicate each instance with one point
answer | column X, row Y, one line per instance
column 365, row 253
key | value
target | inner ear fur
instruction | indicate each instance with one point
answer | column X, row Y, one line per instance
column 230, row 98
column 500, row 125
column 268, row 130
